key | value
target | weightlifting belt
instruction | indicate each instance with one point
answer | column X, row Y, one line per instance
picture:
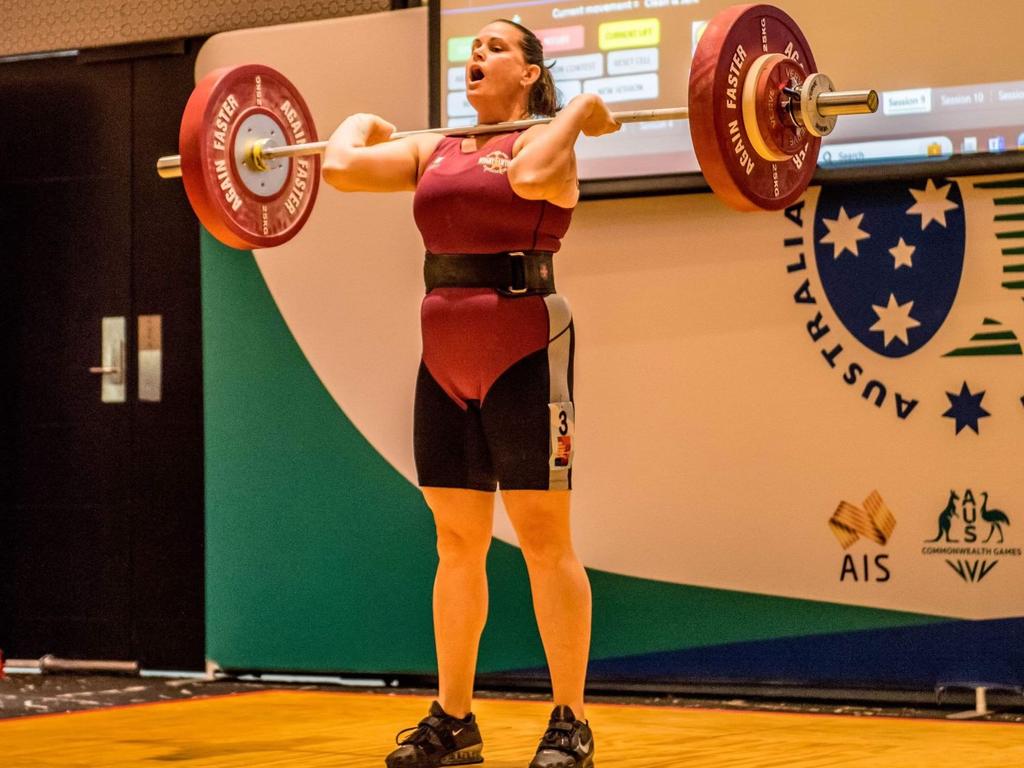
column 516, row 273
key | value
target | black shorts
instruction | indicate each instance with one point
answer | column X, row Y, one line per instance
column 494, row 402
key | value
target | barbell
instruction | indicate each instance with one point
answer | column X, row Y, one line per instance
column 250, row 159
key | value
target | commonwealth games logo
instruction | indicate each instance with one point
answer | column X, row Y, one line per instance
column 959, row 526
column 878, row 270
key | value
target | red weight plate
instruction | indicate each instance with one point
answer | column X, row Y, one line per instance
column 732, row 41
column 219, row 193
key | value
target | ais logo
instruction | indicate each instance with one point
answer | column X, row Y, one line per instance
column 874, row 521
column 878, row 269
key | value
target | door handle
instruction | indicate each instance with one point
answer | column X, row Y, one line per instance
column 113, row 360
column 117, row 371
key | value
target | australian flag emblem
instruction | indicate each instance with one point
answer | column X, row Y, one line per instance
column 890, row 263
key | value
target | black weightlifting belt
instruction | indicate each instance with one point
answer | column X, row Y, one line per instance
column 516, row 273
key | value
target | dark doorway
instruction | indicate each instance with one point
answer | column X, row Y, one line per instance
column 101, row 503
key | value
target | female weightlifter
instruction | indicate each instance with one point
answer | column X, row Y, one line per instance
column 494, row 406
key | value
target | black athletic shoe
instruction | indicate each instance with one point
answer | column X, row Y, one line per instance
column 567, row 743
column 439, row 739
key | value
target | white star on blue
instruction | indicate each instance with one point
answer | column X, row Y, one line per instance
column 855, row 285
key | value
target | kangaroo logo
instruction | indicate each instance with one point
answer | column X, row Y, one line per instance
column 946, row 518
column 976, row 557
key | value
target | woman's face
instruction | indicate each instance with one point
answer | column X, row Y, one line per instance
column 497, row 75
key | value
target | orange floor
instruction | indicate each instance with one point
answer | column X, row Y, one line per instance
column 314, row 729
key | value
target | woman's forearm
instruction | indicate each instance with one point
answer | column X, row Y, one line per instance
column 547, row 159
column 359, row 158
column 341, row 157
column 348, row 136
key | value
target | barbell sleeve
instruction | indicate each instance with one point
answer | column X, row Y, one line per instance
column 169, row 167
column 835, row 103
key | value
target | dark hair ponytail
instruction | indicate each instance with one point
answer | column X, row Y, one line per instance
column 543, row 95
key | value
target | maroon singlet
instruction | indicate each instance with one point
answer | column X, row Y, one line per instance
column 490, row 373
column 464, row 203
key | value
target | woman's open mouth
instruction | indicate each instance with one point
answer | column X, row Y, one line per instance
column 476, row 73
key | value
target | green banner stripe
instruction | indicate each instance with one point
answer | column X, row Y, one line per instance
column 1010, row 217
column 995, row 336
column 1013, row 251
column 990, row 321
column 1014, row 268
column 995, row 349
column 1010, row 235
column 1001, row 184
column 1009, row 201
column 1014, row 285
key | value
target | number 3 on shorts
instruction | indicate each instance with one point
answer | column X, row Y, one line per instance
column 563, row 426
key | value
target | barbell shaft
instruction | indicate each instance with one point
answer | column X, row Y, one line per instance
column 834, row 103
column 636, row 116
column 169, row 167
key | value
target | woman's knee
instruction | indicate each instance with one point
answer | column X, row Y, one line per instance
column 545, row 548
column 541, row 521
column 462, row 545
column 464, row 522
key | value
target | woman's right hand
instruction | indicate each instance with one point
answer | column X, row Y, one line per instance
column 598, row 120
column 373, row 128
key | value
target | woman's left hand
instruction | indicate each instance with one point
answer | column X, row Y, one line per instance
column 598, row 120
